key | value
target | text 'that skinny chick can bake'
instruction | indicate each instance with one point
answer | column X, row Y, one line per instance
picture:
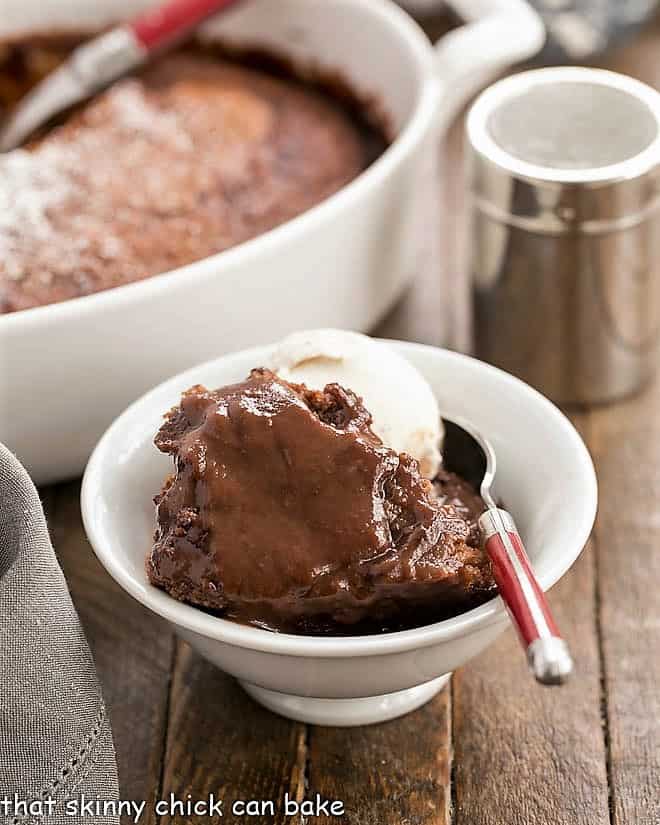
column 564, row 178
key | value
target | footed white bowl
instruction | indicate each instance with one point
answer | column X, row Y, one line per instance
column 545, row 475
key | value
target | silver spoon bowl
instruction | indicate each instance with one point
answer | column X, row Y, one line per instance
column 469, row 454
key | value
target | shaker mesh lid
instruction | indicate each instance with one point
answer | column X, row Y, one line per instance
column 566, row 144
column 572, row 125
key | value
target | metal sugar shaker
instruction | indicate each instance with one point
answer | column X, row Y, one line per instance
column 564, row 181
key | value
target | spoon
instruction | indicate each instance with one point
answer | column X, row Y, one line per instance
column 470, row 455
column 97, row 64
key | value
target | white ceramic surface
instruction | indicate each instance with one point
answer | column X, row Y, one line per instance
column 346, row 713
column 68, row 369
column 545, row 475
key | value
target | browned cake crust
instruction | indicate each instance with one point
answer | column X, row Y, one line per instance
column 193, row 157
column 287, row 512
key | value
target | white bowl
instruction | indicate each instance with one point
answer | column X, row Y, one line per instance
column 342, row 263
column 545, row 475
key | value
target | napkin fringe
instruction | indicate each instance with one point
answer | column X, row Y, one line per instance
column 77, row 762
column 73, row 769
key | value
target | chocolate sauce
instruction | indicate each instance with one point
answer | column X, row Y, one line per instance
column 287, row 512
column 451, row 489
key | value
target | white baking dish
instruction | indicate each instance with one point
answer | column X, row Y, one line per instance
column 68, row 369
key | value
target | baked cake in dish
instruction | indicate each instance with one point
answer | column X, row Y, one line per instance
column 192, row 157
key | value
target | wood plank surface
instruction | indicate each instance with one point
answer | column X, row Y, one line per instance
column 397, row 772
column 626, row 449
column 523, row 755
column 219, row 741
column 537, row 753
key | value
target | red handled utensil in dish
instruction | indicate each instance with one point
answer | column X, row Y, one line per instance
column 469, row 454
column 95, row 65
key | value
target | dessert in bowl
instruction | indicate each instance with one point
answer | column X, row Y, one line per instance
column 310, row 508
column 350, row 678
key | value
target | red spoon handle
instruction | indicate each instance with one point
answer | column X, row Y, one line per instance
column 158, row 27
column 527, row 605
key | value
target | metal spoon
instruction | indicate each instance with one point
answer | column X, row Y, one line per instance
column 468, row 453
column 98, row 63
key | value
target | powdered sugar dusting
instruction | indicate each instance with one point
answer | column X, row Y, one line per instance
column 43, row 218
column 32, row 186
column 133, row 112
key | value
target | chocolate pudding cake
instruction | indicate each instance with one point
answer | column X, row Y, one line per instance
column 287, row 512
column 195, row 155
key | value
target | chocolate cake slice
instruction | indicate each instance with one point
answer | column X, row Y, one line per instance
column 287, row 512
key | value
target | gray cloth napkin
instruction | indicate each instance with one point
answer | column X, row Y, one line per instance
column 55, row 737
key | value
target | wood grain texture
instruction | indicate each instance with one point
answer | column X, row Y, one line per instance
column 626, row 449
column 524, row 755
column 389, row 774
column 536, row 753
column 219, row 741
column 132, row 649
column 640, row 57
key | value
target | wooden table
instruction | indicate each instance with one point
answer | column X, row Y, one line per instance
column 494, row 748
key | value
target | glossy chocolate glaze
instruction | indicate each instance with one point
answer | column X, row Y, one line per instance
column 287, row 512
column 451, row 489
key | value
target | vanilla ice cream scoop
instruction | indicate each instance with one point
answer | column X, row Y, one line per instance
column 404, row 409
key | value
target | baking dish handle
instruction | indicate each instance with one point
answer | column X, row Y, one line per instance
column 496, row 34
